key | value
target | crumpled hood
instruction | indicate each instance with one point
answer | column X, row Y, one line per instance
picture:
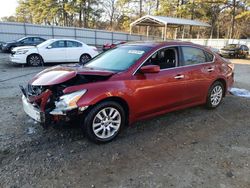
column 62, row 73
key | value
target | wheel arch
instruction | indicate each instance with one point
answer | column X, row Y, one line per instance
column 224, row 83
column 34, row 54
column 117, row 99
column 86, row 53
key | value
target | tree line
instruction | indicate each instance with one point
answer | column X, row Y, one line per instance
column 228, row 18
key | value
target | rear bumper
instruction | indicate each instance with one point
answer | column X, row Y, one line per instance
column 230, row 81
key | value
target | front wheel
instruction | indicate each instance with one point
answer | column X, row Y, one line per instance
column 104, row 122
column 215, row 95
column 34, row 60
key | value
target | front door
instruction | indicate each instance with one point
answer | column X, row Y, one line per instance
column 55, row 52
column 160, row 91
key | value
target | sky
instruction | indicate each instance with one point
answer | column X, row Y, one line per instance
column 7, row 7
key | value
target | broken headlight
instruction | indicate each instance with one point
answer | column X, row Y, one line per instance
column 68, row 101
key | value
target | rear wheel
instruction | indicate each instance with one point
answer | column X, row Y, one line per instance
column 215, row 95
column 34, row 60
column 104, row 122
column 84, row 58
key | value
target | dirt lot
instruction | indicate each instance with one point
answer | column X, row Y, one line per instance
column 189, row 148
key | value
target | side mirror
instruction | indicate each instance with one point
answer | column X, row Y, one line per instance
column 49, row 47
column 150, row 69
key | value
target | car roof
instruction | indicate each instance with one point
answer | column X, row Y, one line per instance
column 31, row 37
column 162, row 43
column 64, row 39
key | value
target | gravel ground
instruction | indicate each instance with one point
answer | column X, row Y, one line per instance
column 189, row 148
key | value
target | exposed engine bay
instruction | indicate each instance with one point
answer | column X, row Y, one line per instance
column 48, row 99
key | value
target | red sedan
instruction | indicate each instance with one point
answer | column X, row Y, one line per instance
column 131, row 82
column 108, row 46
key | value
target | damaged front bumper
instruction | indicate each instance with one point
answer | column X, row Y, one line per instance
column 33, row 111
column 44, row 115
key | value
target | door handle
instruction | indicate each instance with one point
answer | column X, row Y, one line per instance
column 210, row 69
column 180, row 76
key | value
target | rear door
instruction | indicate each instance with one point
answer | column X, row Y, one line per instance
column 160, row 91
column 199, row 70
column 55, row 52
column 74, row 51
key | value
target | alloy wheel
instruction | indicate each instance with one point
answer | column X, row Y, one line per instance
column 216, row 95
column 106, row 123
column 84, row 58
column 35, row 60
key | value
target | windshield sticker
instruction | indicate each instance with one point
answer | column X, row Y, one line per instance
column 138, row 52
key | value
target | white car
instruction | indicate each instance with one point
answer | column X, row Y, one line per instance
column 53, row 50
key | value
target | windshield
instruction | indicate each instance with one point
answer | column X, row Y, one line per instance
column 20, row 39
column 118, row 59
column 45, row 43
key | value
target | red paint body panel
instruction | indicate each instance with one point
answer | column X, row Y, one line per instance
column 146, row 94
column 60, row 74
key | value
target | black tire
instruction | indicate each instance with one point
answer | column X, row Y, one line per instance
column 214, row 98
column 88, row 123
column 34, row 60
column 84, row 58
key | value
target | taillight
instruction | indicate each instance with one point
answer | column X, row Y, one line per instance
column 231, row 65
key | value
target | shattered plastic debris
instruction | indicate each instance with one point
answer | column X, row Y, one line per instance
column 31, row 130
column 32, row 121
column 240, row 92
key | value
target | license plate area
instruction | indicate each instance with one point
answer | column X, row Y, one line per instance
column 32, row 111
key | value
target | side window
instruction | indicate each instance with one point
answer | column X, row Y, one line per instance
column 37, row 40
column 73, row 44
column 193, row 56
column 165, row 58
column 58, row 44
column 209, row 57
column 79, row 44
column 27, row 40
